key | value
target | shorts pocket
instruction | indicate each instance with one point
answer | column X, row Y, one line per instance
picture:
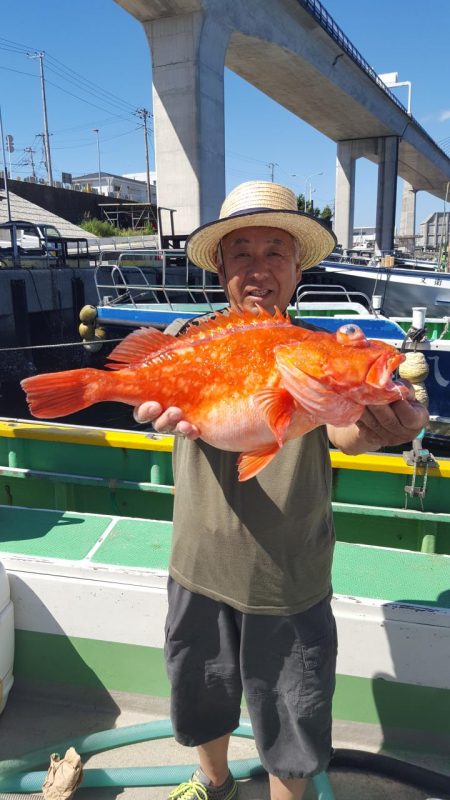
column 318, row 678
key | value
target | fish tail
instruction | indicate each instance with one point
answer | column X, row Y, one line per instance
column 56, row 394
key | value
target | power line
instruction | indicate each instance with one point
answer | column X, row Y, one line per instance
column 94, row 87
column 61, row 88
column 115, row 105
column 71, row 76
column 89, row 144
column 97, row 95
column 23, row 48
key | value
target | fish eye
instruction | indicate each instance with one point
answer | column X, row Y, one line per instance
column 350, row 334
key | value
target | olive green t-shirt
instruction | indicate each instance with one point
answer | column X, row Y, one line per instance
column 264, row 545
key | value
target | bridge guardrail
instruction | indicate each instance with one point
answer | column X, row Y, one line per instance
column 326, row 21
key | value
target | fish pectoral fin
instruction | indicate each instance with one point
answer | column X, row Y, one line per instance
column 277, row 407
column 249, row 464
column 139, row 345
column 323, row 403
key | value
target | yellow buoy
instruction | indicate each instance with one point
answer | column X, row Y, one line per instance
column 86, row 331
column 100, row 333
column 421, row 393
column 88, row 314
column 415, row 370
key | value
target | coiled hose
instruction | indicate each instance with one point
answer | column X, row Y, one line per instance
column 16, row 774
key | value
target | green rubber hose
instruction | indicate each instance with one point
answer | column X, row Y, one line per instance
column 15, row 778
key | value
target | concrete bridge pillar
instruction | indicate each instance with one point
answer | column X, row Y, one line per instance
column 407, row 232
column 387, row 194
column 188, row 57
column 345, row 194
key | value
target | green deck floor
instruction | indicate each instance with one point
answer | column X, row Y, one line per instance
column 137, row 543
column 49, row 534
column 392, row 575
column 359, row 570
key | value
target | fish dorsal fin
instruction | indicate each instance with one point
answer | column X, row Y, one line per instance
column 277, row 407
column 138, row 346
column 212, row 327
column 249, row 464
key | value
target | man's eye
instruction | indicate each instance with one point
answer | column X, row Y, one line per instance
column 241, row 255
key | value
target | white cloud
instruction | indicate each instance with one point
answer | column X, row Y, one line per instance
column 444, row 116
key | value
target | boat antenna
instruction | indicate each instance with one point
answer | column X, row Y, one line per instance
column 5, row 174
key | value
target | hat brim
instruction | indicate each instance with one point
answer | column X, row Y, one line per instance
column 315, row 240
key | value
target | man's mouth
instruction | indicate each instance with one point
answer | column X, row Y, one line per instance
column 258, row 292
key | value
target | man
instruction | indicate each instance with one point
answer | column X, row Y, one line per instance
column 250, row 572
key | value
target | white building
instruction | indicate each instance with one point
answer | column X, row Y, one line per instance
column 125, row 187
column 434, row 231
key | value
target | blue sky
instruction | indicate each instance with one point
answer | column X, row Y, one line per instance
column 98, row 72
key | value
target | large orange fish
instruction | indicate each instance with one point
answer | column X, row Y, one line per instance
column 249, row 383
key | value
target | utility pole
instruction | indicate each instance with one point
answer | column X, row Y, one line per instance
column 41, row 56
column 143, row 114
column 97, row 132
column 10, row 149
column 5, row 174
column 272, row 166
column 31, row 152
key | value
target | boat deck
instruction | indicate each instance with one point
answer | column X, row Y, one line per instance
column 88, row 585
column 49, row 540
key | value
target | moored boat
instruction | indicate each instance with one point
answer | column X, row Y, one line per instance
column 86, row 528
column 400, row 287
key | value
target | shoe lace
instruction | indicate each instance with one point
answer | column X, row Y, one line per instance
column 189, row 790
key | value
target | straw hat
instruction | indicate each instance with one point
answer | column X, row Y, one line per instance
column 265, row 204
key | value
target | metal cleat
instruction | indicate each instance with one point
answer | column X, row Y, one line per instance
column 421, row 459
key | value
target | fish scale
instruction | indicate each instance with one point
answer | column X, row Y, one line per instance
column 248, row 382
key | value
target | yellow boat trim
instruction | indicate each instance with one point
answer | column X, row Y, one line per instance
column 78, row 434
column 75, row 434
column 382, row 462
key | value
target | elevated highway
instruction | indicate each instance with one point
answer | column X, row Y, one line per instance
column 294, row 52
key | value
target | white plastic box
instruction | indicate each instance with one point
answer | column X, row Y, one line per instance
column 6, row 638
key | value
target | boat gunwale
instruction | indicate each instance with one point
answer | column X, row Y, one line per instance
column 140, row 440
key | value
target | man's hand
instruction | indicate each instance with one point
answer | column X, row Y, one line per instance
column 170, row 421
column 381, row 426
column 397, row 423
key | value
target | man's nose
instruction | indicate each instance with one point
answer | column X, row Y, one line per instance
column 258, row 265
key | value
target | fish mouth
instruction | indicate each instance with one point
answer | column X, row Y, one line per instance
column 380, row 373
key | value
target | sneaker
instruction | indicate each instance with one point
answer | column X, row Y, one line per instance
column 199, row 787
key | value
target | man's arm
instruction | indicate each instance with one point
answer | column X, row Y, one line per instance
column 380, row 426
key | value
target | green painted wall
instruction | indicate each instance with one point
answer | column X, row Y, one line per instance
column 126, row 668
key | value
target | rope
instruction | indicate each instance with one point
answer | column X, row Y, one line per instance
column 414, row 335
column 61, row 344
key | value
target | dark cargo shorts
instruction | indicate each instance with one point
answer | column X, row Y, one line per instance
column 285, row 667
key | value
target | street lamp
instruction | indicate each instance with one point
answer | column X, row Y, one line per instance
column 96, row 130
column 308, row 180
column 390, row 79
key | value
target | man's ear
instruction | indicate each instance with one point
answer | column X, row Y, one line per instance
column 298, row 272
column 222, row 279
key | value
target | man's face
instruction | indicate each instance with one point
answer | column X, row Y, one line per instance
column 259, row 267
